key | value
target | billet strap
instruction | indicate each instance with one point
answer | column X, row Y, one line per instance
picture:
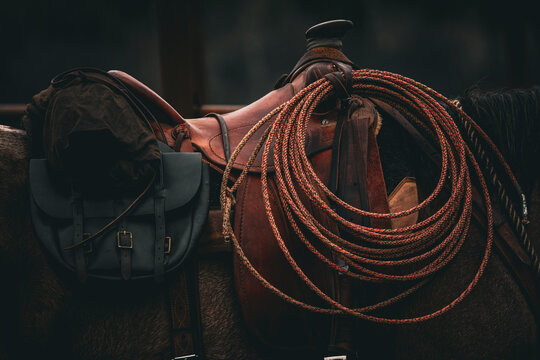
column 185, row 320
column 182, row 295
column 357, row 178
column 224, row 134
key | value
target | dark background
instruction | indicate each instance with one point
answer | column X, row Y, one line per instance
column 232, row 52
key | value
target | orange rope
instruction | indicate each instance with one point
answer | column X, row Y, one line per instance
column 377, row 255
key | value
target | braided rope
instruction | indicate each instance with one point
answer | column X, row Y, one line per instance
column 414, row 252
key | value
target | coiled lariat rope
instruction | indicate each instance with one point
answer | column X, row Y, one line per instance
column 377, row 255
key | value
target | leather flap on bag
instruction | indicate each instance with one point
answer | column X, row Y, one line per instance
column 182, row 180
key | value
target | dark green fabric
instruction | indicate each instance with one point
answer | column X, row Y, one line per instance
column 185, row 185
column 93, row 132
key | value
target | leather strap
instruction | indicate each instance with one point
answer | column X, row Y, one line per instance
column 78, row 218
column 115, row 221
column 349, row 182
column 224, row 134
column 349, row 159
column 124, row 240
column 184, row 320
column 342, row 81
column 183, row 296
column 312, row 56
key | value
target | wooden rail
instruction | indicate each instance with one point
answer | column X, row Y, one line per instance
column 12, row 109
column 10, row 114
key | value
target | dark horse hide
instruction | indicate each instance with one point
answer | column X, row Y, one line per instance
column 42, row 314
column 511, row 119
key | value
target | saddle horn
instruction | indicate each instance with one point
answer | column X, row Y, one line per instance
column 328, row 34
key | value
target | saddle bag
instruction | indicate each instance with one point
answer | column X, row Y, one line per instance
column 153, row 238
column 109, row 201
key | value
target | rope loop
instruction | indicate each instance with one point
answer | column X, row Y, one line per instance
column 375, row 255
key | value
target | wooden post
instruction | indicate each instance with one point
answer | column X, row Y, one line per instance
column 181, row 54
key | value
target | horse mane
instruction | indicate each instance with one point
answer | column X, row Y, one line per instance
column 511, row 118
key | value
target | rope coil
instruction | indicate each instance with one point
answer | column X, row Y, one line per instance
column 377, row 255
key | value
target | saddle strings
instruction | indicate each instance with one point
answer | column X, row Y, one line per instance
column 379, row 255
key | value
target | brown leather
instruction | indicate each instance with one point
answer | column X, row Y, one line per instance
column 268, row 317
column 125, row 246
column 351, row 157
column 164, row 112
column 272, row 321
column 360, row 182
column 184, row 315
column 206, row 135
column 211, row 241
column 277, row 323
column 378, row 199
column 404, row 197
column 317, row 55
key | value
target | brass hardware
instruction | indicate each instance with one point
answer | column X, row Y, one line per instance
column 168, row 241
column 124, row 233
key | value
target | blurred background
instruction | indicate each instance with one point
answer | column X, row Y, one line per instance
column 232, row 52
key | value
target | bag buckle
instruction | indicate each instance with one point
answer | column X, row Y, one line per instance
column 168, row 240
column 121, row 236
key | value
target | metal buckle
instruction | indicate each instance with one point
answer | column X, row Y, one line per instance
column 167, row 244
column 124, row 233
column 338, row 357
column 192, row 356
column 89, row 245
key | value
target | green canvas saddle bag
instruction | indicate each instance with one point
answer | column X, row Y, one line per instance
column 109, row 201
column 123, row 237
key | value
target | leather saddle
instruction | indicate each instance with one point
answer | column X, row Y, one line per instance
column 345, row 160
column 273, row 322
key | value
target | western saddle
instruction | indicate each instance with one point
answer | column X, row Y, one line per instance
column 215, row 136
column 343, row 152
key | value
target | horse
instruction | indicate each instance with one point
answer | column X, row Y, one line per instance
column 43, row 313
